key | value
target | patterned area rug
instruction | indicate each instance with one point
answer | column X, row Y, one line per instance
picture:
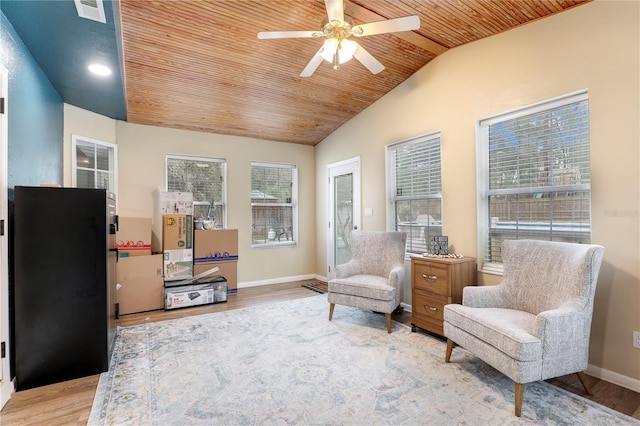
column 285, row 363
column 319, row 286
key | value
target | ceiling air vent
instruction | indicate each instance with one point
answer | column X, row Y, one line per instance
column 91, row 9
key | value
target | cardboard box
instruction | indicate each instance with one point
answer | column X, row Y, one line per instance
column 229, row 270
column 205, row 291
column 176, row 203
column 141, row 287
column 216, row 244
column 178, row 264
column 134, row 236
column 177, row 232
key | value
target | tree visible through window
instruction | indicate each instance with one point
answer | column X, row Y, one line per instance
column 535, row 174
column 205, row 178
column 273, row 203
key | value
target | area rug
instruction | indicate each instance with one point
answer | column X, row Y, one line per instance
column 286, row 363
column 318, row 286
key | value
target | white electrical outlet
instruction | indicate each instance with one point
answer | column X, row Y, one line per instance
column 636, row 339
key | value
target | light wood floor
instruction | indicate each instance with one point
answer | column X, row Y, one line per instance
column 69, row 403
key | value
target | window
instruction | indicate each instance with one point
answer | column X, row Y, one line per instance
column 414, row 190
column 534, row 176
column 205, row 178
column 94, row 164
column 274, row 189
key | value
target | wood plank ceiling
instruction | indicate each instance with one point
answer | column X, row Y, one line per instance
column 198, row 65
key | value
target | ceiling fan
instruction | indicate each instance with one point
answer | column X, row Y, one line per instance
column 338, row 48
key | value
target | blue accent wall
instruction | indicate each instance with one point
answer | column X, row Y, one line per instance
column 36, row 116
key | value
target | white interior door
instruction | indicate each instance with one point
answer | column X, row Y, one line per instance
column 6, row 386
column 344, row 211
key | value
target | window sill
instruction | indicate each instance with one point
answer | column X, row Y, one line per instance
column 274, row 244
column 492, row 269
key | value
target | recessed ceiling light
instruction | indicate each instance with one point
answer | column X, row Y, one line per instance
column 100, row 70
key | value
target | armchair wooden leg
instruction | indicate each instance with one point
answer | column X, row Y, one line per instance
column 388, row 318
column 450, row 345
column 519, row 394
column 331, row 306
column 585, row 382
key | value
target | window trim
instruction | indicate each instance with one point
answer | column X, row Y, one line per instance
column 482, row 175
column 222, row 161
column 74, row 159
column 391, row 182
column 293, row 204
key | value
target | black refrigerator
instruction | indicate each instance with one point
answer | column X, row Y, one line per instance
column 63, row 289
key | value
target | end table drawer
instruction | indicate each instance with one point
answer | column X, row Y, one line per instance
column 433, row 277
column 428, row 307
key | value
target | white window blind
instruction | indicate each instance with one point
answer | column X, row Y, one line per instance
column 274, row 190
column 536, row 181
column 94, row 163
column 205, row 178
column 415, row 189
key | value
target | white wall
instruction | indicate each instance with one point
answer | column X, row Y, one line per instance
column 594, row 46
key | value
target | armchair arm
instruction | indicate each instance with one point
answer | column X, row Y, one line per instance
column 347, row 269
column 564, row 333
column 484, row 296
column 396, row 277
column 567, row 322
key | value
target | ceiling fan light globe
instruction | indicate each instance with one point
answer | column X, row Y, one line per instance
column 346, row 51
column 329, row 49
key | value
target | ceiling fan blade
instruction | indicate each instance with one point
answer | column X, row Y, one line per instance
column 406, row 23
column 312, row 65
column 368, row 60
column 335, row 10
column 288, row 34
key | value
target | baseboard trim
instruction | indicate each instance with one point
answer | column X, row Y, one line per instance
column 613, row 377
column 6, row 391
column 280, row 280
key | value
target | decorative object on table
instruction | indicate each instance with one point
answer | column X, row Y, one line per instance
column 438, row 244
column 445, row 256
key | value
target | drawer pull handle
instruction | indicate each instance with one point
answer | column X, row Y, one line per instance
column 430, row 308
column 429, row 277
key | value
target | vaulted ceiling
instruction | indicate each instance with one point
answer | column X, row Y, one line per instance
column 198, row 65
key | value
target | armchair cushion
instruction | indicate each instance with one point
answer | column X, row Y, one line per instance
column 371, row 286
column 508, row 330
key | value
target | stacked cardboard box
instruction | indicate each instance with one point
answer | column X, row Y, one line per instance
column 177, row 234
column 134, row 236
column 217, row 248
column 200, row 291
column 141, row 284
column 138, row 273
column 177, row 246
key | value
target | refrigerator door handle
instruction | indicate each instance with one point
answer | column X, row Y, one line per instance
column 117, row 253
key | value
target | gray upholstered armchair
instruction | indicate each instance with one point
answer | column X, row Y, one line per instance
column 373, row 278
column 535, row 325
